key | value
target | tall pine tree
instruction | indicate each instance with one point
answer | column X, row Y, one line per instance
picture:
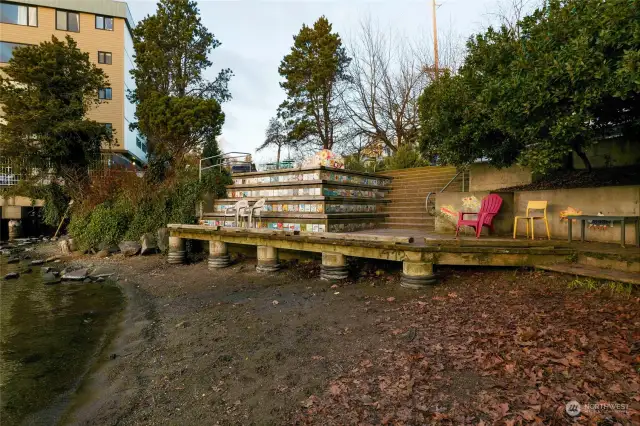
column 178, row 110
column 314, row 74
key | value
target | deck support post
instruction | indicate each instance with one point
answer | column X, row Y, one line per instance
column 267, row 259
column 176, row 250
column 417, row 275
column 334, row 267
column 218, row 255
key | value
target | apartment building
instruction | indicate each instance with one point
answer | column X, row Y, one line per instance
column 103, row 29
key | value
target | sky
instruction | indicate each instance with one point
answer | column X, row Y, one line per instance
column 256, row 35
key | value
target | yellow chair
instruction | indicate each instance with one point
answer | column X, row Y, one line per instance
column 533, row 205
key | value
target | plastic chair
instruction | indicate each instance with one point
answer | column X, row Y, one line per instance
column 533, row 205
column 239, row 209
column 256, row 210
column 488, row 210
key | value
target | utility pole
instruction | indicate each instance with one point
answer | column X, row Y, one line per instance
column 435, row 40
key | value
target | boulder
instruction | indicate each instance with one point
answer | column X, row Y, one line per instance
column 102, row 254
column 111, row 248
column 12, row 276
column 13, row 260
column 72, row 245
column 163, row 239
column 148, row 244
column 37, row 262
column 77, row 275
column 52, row 259
column 49, row 278
column 102, row 273
column 64, row 247
column 129, row 248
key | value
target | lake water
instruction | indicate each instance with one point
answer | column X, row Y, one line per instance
column 48, row 335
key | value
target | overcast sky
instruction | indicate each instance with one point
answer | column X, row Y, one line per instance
column 255, row 36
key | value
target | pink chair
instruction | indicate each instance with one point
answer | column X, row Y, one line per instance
column 488, row 209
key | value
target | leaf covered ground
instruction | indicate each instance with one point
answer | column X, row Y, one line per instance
column 494, row 348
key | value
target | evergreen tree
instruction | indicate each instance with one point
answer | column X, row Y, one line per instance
column 178, row 110
column 314, row 74
column 46, row 91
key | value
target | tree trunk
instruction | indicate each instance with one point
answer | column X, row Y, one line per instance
column 278, row 158
column 584, row 158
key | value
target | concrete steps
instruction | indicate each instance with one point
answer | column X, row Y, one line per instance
column 409, row 192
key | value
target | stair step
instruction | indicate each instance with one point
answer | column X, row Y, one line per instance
column 593, row 272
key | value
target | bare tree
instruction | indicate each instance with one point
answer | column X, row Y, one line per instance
column 387, row 75
column 510, row 12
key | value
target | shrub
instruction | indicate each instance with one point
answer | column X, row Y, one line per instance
column 404, row 158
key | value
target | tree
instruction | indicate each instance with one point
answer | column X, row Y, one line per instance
column 565, row 79
column 46, row 91
column 387, row 76
column 178, row 110
column 315, row 72
column 276, row 135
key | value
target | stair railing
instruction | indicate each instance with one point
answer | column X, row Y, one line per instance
column 431, row 212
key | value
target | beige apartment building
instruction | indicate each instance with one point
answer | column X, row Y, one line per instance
column 101, row 28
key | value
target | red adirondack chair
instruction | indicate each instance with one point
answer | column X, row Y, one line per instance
column 488, row 209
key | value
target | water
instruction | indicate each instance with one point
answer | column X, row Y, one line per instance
column 48, row 336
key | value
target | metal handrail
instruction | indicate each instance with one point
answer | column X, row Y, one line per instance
column 426, row 203
column 225, row 157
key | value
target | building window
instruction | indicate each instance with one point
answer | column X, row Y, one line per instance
column 67, row 21
column 6, row 50
column 104, row 93
column 140, row 144
column 18, row 14
column 104, row 23
column 104, row 58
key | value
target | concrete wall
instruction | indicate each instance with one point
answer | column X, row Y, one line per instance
column 613, row 200
column 12, row 206
column 484, row 177
column 448, row 204
column 616, row 152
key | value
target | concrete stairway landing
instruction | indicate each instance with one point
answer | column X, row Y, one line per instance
column 407, row 209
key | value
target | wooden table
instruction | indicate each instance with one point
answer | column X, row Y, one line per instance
column 622, row 219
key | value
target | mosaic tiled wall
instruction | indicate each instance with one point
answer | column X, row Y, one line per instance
column 349, row 192
column 305, row 227
column 281, row 207
column 315, row 175
column 351, row 208
column 308, row 208
column 280, row 192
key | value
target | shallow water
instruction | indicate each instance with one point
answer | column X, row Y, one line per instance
column 48, row 334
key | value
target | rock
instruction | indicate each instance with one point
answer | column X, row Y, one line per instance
column 87, row 280
column 50, row 278
column 163, row 239
column 54, row 238
column 11, row 276
column 64, row 247
column 5, row 252
column 27, row 270
column 111, row 248
column 102, row 273
column 129, row 248
column 37, row 262
column 102, row 254
column 100, row 279
column 52, row 258
column 148, row 244
column 77, row 275
column 72, row 245
column 13, row 260
column 45, row 269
